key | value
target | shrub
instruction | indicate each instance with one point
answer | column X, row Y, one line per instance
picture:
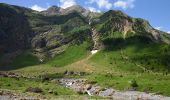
column 34, row 90
column 55, row 93
column 133, row 83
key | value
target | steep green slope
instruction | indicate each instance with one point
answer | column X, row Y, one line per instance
column 70, row 55
column 134, row 54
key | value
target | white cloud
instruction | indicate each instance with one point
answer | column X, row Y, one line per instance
column 124, row 4
column 67, row 3
column 168, row 32
column 93, row 9
column 159, row 27
column 37, row 8
column 102, row 3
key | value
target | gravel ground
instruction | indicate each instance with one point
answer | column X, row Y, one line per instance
column 80, row 85
column 12, row 95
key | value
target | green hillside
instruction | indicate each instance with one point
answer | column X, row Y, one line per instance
column 134, row 54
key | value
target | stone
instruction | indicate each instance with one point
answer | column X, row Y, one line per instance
column 88, row 86
column 107, row 92
column 55, row 81
column 1, row 92
column 50, row 91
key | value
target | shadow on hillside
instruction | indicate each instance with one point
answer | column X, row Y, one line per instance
column 142, row 50
column 137, row 42
column 10, row 68
column 15, row 29
column 15, row 35
column 18, row 59
column 157, row 62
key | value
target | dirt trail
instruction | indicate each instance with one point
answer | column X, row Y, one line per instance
column 83, row 64
column 124, row 56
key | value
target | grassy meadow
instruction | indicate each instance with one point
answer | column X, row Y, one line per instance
column 115, row 67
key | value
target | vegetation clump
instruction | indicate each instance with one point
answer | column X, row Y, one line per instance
column 34, row 90
column 133, row 83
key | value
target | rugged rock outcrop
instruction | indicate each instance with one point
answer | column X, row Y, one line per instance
column 116, row 24
column 54, row 10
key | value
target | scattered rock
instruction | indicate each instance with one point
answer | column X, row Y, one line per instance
column 88, row 86
column 81, row 86
column 9, row 74
column 1, row 93
column 12, row 95
column 106, row 93
column 50, row 91
column 74, row 73
column 55, row 81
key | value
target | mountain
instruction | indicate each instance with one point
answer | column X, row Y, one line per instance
column 49, row 33
column 108, row 49
column 53, row 10
column 116, row 24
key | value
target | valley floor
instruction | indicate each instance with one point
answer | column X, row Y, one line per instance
column 106, row 77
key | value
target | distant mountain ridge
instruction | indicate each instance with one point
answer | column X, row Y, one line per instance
column 55, row 10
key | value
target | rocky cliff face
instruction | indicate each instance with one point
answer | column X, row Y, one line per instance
column 116, row 24
column 54, row 10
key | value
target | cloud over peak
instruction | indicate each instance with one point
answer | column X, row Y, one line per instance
column 67, row 3
column 92, row 9
column 124, row 4
column 37, row 8
column 158, row 27
column 102, row 3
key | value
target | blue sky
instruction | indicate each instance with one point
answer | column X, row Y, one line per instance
column 157, row 12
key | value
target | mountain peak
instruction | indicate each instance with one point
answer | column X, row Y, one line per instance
column 116, row 13
column 76, row 8
column 53, row 7
column 53, row 10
